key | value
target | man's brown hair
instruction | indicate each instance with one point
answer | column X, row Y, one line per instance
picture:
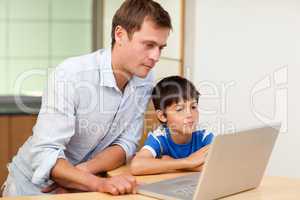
column 132, row 13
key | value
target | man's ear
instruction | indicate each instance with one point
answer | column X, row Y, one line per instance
column 161, row 116
column 120, row 35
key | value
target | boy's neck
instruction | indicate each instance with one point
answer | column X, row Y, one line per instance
column 180, row 138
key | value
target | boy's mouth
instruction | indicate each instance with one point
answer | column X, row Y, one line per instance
column 189, row 124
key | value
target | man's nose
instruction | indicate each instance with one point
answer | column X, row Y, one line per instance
column 155, row 54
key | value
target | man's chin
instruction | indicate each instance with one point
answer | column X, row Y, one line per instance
column 142, row 74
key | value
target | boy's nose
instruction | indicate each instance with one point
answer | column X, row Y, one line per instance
column 188, row 119
column 189, row 111
column 188, row 114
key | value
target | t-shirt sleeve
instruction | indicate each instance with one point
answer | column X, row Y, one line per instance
column 153, row 144
column 207, row 139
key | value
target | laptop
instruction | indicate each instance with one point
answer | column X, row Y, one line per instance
column 235, row 163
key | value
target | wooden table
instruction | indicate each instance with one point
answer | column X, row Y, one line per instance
column 272, row 188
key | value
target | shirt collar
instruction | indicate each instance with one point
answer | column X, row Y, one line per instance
column 107, row 77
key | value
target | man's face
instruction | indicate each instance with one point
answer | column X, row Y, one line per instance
column 182, row 117
column 141, row 52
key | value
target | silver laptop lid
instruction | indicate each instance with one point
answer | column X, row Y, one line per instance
column 236, row 162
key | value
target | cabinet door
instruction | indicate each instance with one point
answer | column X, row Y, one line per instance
column 4, row 148
column 20, row 129
column 150, row 123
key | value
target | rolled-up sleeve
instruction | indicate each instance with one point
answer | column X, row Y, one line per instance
column 55, row 125
column 129, row 139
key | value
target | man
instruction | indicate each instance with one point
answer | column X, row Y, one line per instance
column 92, row 111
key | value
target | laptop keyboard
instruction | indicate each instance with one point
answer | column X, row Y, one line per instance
column 186, row 191
column 179, row 188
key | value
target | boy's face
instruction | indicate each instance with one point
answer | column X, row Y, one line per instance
column 182, row 117
column 141, row 52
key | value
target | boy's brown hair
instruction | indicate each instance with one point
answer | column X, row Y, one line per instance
column 171, row 90
column 132, row 14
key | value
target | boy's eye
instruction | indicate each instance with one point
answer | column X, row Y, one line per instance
column 194, row 107
column 178, row 109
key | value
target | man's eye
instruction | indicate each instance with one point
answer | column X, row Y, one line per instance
column 194, row 107
column 150, row 46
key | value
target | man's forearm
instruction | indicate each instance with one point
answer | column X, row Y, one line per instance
column 69, row 176
column 109, row 159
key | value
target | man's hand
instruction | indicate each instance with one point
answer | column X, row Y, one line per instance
column 116, row 185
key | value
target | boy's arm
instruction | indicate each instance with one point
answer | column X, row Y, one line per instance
column 195, row 169
column 200, row 155
column 144, row 163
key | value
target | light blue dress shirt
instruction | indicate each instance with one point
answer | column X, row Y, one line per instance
column 83, row 112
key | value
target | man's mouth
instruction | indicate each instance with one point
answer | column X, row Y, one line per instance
column 148, row 66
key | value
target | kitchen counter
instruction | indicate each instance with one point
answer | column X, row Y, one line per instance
column 275, row 188
column 29, row 105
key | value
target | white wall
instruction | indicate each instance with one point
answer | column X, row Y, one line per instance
column 244, row 56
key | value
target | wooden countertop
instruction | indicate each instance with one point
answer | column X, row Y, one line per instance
column 272, row 188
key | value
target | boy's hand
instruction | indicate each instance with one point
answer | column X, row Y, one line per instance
column 197, row 158
column 196, row 169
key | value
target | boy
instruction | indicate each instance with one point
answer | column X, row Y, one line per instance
column 175, row 141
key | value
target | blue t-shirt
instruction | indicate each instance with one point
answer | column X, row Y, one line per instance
column 159, row 143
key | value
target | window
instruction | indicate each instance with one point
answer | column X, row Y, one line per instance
column 36, row 35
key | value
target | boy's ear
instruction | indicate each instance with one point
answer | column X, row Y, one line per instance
column 161, row 116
